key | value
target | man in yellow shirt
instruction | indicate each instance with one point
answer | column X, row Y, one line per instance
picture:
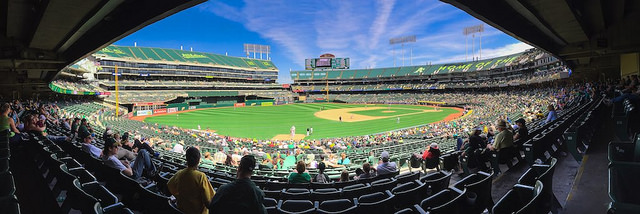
column 191, row 187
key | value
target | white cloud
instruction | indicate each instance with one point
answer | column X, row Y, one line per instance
column 361, row 29
column 487, row 53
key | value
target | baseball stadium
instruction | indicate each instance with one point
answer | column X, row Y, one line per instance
column 93, row 124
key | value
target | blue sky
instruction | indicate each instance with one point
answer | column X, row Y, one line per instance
column 299, row 29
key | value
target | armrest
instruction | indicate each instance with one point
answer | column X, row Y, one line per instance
column 419, row 209
column 83, row 175
column 114, row 207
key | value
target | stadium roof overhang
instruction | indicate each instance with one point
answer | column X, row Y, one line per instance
column 40, row 37
column 589, row 35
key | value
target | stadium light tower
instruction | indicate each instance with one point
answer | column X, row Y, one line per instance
column 402, row 41
column 472, row 30
column 257, row 49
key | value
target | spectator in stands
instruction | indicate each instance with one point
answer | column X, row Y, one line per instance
column 135, row 170
column 7, row 123
column 522, row 133
column 300, row 176
column 343, row 159
column 386, row 167
column 88, row 147
column 107, row 133
column 504, row 138
column 36, row 126
column 84, row 127
column 431, row 155
column 344, row 176
column 472, row 149
column 191, row 187
column 144, row 144
column 368, row 172
column 241, row 195
column 372, row 160
column 75, row 125
column 219, row 156
column 321, row 177
column 207, row 159
column 551, row 116
column 459, row 142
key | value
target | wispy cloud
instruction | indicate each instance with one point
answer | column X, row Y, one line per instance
column 361, row 29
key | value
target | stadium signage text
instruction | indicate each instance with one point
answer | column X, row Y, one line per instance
column 144, row 113
column 160, row 111
column 193, row 56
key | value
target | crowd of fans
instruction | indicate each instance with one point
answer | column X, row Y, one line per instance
column 486, row 127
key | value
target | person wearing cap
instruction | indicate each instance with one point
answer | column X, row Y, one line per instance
column 88, row 147
column 386, row 167
column 321, row 177
column 134, row 170
column 241, row 195
column 300, row 176
column 522, row 132
column 504, row 139
column 473, row 147
column 191, row 187
column 432, row 153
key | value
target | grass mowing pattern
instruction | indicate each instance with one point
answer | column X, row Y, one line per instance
column 381, row 112
column 265, row 122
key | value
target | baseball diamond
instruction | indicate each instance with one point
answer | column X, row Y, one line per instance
column 267, row 122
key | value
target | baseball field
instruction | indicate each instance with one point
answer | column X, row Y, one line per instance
column 327, row 119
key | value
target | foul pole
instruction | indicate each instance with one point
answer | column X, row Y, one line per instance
column 327, row 89
column 117, row 101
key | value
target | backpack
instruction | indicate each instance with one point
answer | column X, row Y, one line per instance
column 321, row 178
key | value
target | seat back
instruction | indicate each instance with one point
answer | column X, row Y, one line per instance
column 514, row 200
column 297, row 206
column 325, row 194
column 480, row 184
column 410, row 193
column 152, row 202
column 446, row 201
column 78, row 199
column 377, row 202
column 437, row 181
column 407, row 177
column 534, row 204
column 336, row 206
column 271, row 205
column 383, row 184
column 354, row 190
column 295, row 193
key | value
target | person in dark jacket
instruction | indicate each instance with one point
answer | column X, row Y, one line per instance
column 241, row 195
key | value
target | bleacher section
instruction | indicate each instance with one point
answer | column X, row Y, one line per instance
column 420, row 70
column 172, row 55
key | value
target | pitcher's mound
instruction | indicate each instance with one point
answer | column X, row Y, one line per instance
column 288, row 137
column 388, row 111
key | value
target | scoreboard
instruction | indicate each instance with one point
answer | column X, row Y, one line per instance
column 326, row 61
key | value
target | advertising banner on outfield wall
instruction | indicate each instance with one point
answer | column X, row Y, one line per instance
column 266, row 103
column 144, row 113
column 172, row 110
column 192, row 107
column 160, row 111
column 238, row 104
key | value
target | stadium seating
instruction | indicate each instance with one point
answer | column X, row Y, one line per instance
column 521, row 199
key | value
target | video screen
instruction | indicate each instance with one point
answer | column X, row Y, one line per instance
column 323, row 62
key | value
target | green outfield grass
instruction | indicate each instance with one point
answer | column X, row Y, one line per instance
column 265, row 122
